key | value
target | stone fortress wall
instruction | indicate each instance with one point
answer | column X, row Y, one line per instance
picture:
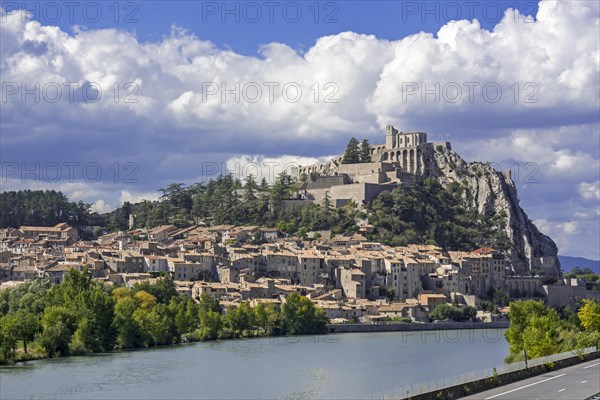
column 400, row 161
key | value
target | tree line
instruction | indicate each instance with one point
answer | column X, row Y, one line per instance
column 424, row 213
column 82, row 316
column 44, row 208
column 227, row 200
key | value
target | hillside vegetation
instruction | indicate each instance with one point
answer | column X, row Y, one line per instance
column 425, row 213
column 43, row 208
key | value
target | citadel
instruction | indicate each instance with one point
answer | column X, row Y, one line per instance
column 402, row 160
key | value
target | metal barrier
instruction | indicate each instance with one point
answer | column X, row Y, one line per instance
column 407, row 391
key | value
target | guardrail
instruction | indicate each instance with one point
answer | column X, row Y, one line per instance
column 407, row 391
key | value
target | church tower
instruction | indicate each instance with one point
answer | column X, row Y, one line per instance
column 391, row 137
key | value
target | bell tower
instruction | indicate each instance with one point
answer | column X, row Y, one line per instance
column 391, row 137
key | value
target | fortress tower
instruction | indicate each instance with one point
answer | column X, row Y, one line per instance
column 399, row 161
column 403, row 148
column 397, row 140
column 402, row 151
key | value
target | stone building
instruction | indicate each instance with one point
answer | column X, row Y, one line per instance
column 399, row 161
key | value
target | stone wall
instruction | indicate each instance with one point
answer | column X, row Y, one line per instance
column 563, row 295
column 358, row 192
column 347, row 328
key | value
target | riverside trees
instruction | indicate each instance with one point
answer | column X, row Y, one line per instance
column 541, row 331
column 84, row 316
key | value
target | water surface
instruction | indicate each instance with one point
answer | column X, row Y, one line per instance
column 340, row 366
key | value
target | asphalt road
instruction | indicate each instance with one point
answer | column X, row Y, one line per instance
column 577, row 382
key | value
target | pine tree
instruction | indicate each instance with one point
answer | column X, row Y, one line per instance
column 250, row 201
column 365, row 152
column 351, row 156
column 264, row 185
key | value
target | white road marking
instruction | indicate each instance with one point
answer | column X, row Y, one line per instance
column 583, row 381
column 561, row 390
column 523, row 387
column 590, row 366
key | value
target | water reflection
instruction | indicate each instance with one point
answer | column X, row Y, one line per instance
column 353, row 365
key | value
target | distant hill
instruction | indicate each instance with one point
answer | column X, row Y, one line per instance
column 568, row 262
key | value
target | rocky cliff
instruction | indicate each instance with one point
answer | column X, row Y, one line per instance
column 491, row 193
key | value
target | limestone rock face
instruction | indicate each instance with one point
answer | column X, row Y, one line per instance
column 491, row 192
column 487, row 190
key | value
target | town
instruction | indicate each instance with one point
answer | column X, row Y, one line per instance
column 350, row 278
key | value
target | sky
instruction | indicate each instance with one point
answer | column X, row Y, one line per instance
column 110, row 101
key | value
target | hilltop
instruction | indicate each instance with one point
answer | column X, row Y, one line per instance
column 407, row 159
column 408, row 189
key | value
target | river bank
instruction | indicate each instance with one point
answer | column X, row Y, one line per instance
column 439, row 326
column 331, row 329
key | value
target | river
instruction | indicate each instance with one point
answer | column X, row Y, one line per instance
column 339, row 366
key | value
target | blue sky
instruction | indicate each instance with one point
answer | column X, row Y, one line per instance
column 243, row 26
column 149, row 103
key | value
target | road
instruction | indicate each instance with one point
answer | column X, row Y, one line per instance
column 577, row 382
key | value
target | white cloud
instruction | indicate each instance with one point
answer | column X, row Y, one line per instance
column 559, row 54
column 101, row 207
column 136, row 197
column 265, row 167
column 563, row 75
column 177, row 127
column 590, row 191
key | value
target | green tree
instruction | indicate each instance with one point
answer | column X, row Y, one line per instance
column 8, row 336
column 390, row 293
column 446, row 312
column 264, row 185
column 186, row 313
column 300, row 316
column 589, row 315
column 95, row 329
column 163, row 290
column 302, row 232
column 207, row 303
column 500, row 299
column 44, row 208
column 26, row 325
column 240, row 319
column 426, row 212
column 365, row 151
column 352, row 154
column 128, row 330
column 261, row 318
column 250, row 211
column 74, row 284
column 211, row 325
column 468, row 313
column 534, row 327
column 58, row 324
